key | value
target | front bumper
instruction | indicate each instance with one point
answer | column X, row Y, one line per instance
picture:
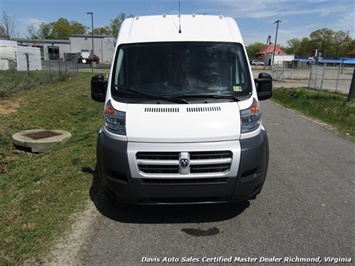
column 124, row 180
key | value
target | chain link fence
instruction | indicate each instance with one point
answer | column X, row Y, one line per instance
column 334, row 78
column 50, row 71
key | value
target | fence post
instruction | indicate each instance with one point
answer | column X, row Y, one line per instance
column 352, row 88
column 338, row 77
column 321, row 84
column 28, row 70
column 310, row 77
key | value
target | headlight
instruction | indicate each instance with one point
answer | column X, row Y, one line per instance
column 115, row 121
column 250, row 118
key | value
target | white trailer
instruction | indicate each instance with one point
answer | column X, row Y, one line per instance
column 14, row 57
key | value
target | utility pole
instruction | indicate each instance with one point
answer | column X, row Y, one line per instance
column 277, row 30
column 92, row 39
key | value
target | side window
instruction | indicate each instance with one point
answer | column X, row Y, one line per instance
column 119, row 69
column 241, row 75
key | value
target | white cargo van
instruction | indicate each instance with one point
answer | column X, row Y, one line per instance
column 182, row 121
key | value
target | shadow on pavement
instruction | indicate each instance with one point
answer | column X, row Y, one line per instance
column 127, row 213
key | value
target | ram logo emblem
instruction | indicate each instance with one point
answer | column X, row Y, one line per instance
column 184, row 162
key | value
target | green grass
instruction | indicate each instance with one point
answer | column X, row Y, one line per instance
column 39, row 192
column 330, row 108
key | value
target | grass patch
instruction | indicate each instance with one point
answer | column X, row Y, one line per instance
column 14, row 81
column 329, row 108
column 39, row 192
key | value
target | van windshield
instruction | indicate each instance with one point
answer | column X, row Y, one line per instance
column 191, row 70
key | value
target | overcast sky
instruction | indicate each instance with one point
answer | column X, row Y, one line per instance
column 255, row 17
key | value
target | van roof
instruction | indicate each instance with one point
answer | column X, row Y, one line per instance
column 166, row 28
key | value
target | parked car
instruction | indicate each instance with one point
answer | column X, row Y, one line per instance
column 86, row 58
column 257, row 63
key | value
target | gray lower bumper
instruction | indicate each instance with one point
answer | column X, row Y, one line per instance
column 116, row 177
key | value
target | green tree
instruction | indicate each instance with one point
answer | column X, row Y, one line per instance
column 115, row 23
column 295, row 45
column 102, row 31
column 305, row 48
column 44, row 30
column 60, row 29
column 253, row 48
column 324, row 39
column 77, row 28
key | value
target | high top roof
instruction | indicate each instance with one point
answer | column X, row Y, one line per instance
column 166, row 28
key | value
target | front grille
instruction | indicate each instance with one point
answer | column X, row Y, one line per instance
column 199, row 162
column 210, row 155
column 211, row 168
column 157, row 155
column 180, row 181
column 158, row 169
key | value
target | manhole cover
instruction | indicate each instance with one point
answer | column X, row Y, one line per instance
column 42, row 134
column 39, row 140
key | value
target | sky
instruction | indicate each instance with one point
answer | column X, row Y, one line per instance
column 256, row 18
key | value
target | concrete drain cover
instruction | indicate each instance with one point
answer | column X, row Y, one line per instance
column 39, row 140
column 42, row 134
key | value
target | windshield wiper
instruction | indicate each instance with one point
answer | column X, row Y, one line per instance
column 209, row 96
column 151, row 96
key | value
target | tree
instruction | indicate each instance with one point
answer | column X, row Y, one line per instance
column 77, row 28
column 102, row 31
column 44, row 30
column 253, row 48
column 295, row 45
column 32, row 32
column 2, row 32
column 323, row 38
column 61, row 29
column 115, row 24
column 307, row 46
column 8, row 27
column 340, row 38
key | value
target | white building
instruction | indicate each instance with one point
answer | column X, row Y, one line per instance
column 17, row 57
column 58, row 49
column 280, row 57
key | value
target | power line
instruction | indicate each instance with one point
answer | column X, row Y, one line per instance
column 267, row 19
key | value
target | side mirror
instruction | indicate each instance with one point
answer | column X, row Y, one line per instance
column 264, row 86
column 98, row 88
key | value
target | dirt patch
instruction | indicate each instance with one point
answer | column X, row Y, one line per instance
column 8, row 106
column 68, row 250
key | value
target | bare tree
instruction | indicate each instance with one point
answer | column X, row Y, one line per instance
column 2, row 32
column 8, row 25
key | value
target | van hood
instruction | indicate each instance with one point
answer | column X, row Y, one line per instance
column 183, row 123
